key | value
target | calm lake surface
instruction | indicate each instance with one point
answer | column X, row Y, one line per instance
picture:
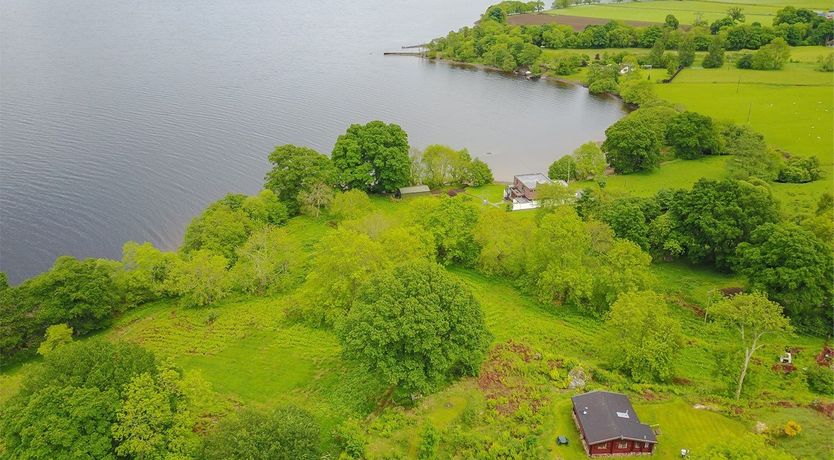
column 121, row 119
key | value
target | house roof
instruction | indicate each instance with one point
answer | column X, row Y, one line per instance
column 606, row 416
column 415, row 189
column 531, row 180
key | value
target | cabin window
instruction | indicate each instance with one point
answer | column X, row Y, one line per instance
column 622, row 445
column 602, row 446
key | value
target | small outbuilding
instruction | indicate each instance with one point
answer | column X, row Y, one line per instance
column 412, row 191
column 608, row 425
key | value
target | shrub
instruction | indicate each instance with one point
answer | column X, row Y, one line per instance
column 792, row 428
column 286, row 433
column 800, row 170
column 826, row 63
column 351, row 439
column 606, row 85
column 745, row 61
column 820, row 379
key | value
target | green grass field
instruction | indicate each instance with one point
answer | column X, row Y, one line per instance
column 254, row 357
column 685, row 10
column 793, row 108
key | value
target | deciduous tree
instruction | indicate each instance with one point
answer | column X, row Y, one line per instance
column 752, row 316
column 693, row 135
column 417, row 328
column 80, row 293
column 647, row 339
column 715, row 216
column 266, row 262
column 793, row 267
column 295, row 169
column 57, row 336
column 630, row 145
column 201, row 278
column 373, row 157
column 287, row 433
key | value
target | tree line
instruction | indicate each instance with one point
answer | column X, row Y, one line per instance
column 495, row 43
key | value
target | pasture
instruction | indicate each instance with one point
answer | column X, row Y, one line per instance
column 686, row 11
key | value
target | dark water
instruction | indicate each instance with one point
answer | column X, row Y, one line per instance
column 121, row 119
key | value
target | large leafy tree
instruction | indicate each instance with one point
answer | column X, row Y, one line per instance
column 715, row 216
column 80, row 293
column 590, row 161
column 557, row 259
column 751, row 316
column 373, row 157
column 154, row 420
column 627, row 219
column 221, row 229
column 144, row 272
column 750, row 155
column 502, row 253
column 793, row 267
column 630, row 145
column 295, row 169
column 692, row 135
column 19, row 328
column 266, row 262
column 65, row 409
column 344, row 261
column 715, row 54
column 647, row 339
column 451, row 221
column 61, row 423
column 416, row 327
column 200, row 278
column 286, row 433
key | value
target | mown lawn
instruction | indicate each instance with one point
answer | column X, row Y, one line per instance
column 686, row 11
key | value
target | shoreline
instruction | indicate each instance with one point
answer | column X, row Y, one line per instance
column 516, row 73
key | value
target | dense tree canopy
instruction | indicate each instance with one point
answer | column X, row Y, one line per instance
column 372, row 157
column 286, row 433
column 344, row 261
column 692, row 135
column 267, row 261
column 630, row 145
column 450, row 221
column 295, row 169
column 715, row 216
column 647, row 339
column 751, row 157
column 66, row 408
column 417, row 328
column 80, row 293
column 793, row 267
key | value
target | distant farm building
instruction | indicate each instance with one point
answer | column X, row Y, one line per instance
column 412, row 191
column 608, row 425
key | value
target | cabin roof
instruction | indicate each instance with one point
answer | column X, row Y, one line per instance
column 606, row 416
column 531, row 180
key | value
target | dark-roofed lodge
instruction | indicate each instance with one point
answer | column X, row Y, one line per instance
column 609, row 425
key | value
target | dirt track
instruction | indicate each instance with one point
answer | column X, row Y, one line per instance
column 577, row 22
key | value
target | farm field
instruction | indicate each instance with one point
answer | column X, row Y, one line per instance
column 655, row 11
column 792, row 108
